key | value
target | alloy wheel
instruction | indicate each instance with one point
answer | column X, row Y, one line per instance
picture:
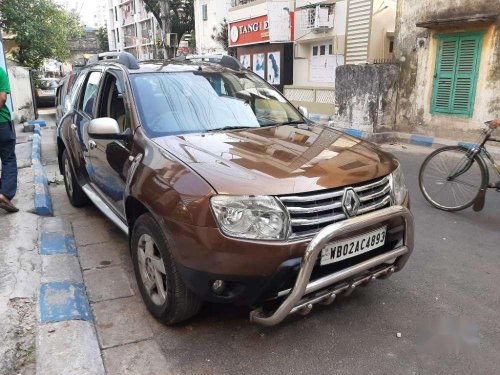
column 67, row 177
column 152, row 270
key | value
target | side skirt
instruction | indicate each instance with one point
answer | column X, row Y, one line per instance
column 103, row 207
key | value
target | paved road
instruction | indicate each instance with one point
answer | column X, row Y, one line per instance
column 454, row 273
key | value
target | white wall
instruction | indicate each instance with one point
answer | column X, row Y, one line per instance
column 250, row 10
column 21, row 94
column 383, row 22
column 217, row 10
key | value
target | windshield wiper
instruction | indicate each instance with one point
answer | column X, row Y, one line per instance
column 295, row 122
column 229, row 128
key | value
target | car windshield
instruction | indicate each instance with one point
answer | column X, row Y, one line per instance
column 198, row 102
column 48, row 84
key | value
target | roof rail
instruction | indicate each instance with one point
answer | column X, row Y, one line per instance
column 223, row 60
column 123, row 58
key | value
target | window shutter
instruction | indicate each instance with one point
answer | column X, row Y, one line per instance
column 465, row 76
column 457, row 67
column 445, row 71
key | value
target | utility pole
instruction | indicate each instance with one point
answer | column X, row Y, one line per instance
column 165, row 26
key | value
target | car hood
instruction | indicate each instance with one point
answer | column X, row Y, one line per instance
column 279, row 160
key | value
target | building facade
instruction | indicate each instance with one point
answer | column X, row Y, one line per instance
column 132, row 29
column 209, row 15
column 449, row 54
column 333, row 33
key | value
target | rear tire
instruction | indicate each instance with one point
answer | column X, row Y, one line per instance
column 76, row 195
column 456, row 194
column 164, row 292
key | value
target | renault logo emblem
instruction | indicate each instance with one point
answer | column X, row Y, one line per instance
column 350, row 203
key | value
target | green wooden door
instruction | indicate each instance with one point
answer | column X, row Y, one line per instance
column 457, row 66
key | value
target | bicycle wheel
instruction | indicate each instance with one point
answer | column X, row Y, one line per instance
column 451, row 179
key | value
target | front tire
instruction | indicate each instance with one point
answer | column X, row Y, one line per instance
column 161, row 286
column 75, row 193
column 455, row 193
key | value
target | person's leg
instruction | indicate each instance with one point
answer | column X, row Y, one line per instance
column 8, row 180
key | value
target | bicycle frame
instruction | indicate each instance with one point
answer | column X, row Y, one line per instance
column 481, row 151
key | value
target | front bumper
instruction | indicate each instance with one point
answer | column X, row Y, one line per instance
column 305, row 293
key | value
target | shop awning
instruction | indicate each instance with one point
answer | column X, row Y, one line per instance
column 457, row 21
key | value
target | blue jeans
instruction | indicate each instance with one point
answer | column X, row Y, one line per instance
column 8, row 179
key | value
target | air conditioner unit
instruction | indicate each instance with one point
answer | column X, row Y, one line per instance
column 172, row 40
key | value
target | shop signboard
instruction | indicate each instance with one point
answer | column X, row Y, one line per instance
column 276, row 29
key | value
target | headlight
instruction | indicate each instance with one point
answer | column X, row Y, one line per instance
column 398, row 186
column 257, row 217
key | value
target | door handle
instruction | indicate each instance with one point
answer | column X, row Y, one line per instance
column 73, row 127
column 92, row 144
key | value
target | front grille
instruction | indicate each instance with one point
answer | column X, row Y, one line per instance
column 310, row 212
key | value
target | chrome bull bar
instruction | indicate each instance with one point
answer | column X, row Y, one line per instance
column 294, row 301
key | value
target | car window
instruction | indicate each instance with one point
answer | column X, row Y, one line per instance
column 70, row 101
column 90, row 92
column 112, row 99
column 196, row 102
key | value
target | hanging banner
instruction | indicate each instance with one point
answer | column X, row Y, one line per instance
column 280, row 22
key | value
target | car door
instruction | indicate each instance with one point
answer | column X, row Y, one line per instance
column 109, row 156
column 84, row 113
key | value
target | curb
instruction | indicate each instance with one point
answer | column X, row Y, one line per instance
column 414, row 139
column 43, row 201
column 66, row 336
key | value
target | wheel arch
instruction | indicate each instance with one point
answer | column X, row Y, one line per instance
column 134, row 208
column 60, row 150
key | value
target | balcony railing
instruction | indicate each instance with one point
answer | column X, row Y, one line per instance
column 235, row 3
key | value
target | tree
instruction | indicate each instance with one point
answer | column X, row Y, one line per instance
column 102, row 35
column 181, row 15
column 41, row 28
column 221, row 36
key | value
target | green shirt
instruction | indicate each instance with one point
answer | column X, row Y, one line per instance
column 4, row 87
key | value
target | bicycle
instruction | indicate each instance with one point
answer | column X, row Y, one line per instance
column 453, row 178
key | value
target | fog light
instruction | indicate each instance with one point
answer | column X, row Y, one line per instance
column 218, row 286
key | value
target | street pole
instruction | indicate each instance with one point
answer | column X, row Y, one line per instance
column 165, row 17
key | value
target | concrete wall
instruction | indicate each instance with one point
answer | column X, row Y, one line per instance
column 366, row 96
column 21, row 94
column 415, row 47
column 217, row 11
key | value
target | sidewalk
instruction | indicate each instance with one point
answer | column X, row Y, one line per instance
column 19, row 271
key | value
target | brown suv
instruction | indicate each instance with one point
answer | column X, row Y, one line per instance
column 228, row 194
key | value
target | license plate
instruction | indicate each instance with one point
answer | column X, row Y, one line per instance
column 350, row 247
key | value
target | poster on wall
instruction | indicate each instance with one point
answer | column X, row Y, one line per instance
column 245, row 61
column 258, row 64
column 273, row 68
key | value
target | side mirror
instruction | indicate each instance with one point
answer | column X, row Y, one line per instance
column 303, row 111
column 107, row 128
